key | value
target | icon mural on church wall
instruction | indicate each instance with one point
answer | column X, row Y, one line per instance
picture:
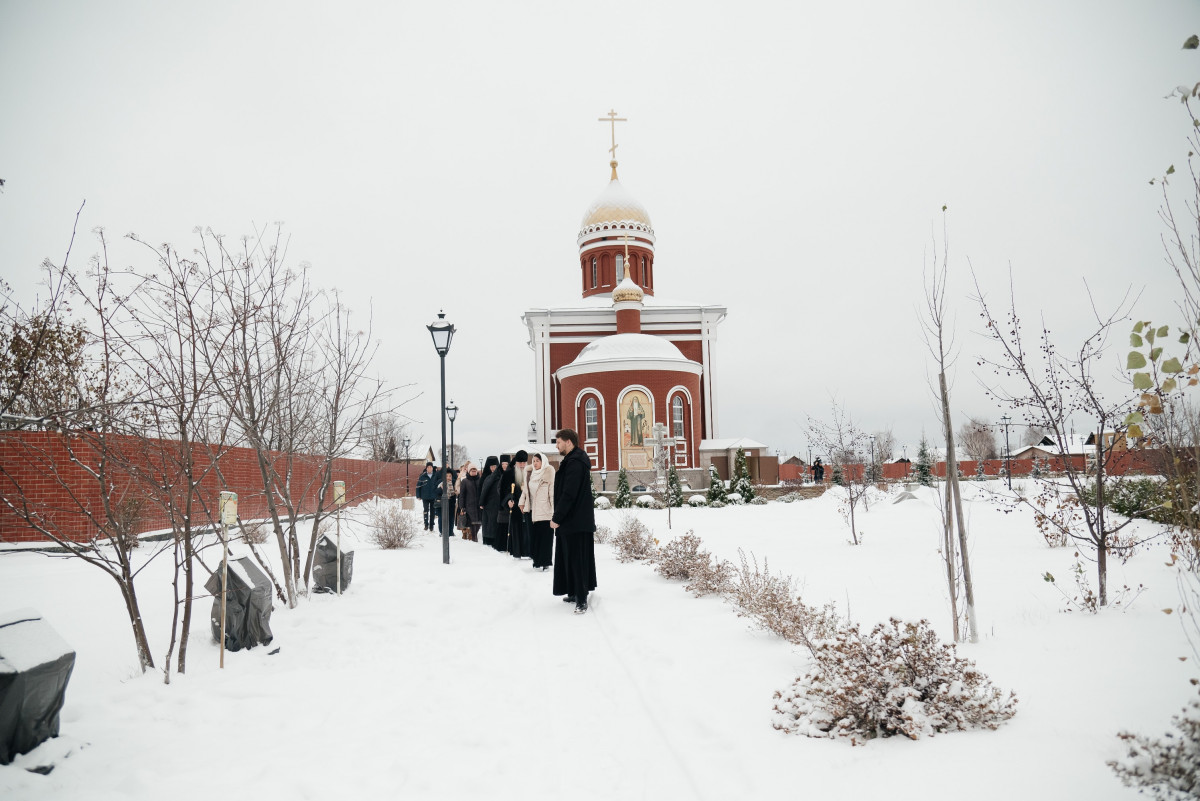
column 636, row 420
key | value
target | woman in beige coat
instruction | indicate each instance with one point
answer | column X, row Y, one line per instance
column 538, row 502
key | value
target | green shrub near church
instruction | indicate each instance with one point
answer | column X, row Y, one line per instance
column 716, row 487
column 624, row 498
column 741, row 482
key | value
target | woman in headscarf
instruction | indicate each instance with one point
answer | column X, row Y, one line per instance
column 468, row 501
column 538, row 503
column 489, row 499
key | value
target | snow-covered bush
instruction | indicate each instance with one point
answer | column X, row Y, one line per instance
column 1166, row 768
column 734, row 499
column 759, row 501
column 603, row 503
column 624, row 498
column 790, row 497
column 716, row 487
column 674, row 488
column 717, row 505
column 603, row 534
column 633, row 540
column 772, row 603
column 697, row 500
column 648, row 502
column 899, row 679
column 682, row 560
column 391, row 526
column 741, row 481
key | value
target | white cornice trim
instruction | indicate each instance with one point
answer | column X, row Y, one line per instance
column 637, row 365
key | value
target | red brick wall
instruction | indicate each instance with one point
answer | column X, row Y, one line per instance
column 49, row 470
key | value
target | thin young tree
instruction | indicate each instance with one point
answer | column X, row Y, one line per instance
column 939, row 340
column 844, row 444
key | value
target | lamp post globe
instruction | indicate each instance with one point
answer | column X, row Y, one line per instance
column 442, row 332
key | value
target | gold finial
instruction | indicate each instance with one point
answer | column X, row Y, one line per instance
column 613, row 119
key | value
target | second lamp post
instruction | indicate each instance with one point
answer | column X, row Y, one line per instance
column 442, row 332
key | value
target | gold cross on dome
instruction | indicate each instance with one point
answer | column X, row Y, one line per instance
column 626, row 239
column 613, row 119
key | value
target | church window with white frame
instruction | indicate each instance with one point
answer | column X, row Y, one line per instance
column 590, row 420
column 677, row 416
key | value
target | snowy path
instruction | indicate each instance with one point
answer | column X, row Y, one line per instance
column 472, row 681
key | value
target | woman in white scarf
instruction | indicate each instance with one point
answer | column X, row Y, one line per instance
column 538, row 502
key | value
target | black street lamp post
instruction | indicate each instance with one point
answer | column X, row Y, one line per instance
column 604, row 479
column 1007, row 451
column 442, row 333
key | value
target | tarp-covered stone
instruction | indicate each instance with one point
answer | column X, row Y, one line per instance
column 247, row 608
column 35, row 666
column 325, row 566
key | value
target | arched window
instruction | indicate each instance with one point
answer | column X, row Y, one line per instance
column 620, row 267
column 677, row 416
column 593, row 272
column 591, row 423
column 645, row 279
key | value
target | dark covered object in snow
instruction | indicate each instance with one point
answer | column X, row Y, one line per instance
column 248, row 608
column 325, row 566
column 35, row 666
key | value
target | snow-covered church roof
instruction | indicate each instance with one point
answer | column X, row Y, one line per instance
column 629, row 352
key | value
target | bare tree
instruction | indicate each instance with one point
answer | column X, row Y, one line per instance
column 1032, row 435
column 978, row 440
column 844, row 445
column 885, row 445
column 1048, row 388
column 89, row 461
column 384, row 433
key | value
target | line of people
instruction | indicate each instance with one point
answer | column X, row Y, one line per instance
column 522, row 507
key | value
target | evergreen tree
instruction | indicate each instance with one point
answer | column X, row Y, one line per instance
column 624, row 498
column 837, row 475
column 741, row 481
column 1037, row 468
column 924, row 466
column 674, row 489
column 716, row 487
column 979, row 469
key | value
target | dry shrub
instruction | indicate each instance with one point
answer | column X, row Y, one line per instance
column 603, row 534
column 1056, row 515
column 897, row 680
column 682, row 560
column 1167, row 767
column 772, row 602
column 254, row 533
column 391, row 526
column 633, row 541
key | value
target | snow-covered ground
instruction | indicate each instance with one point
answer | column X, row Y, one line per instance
column 472, row 681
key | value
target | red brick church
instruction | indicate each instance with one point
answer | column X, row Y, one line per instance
column 621, row 359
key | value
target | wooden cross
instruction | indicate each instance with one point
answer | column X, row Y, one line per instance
column 613, row 119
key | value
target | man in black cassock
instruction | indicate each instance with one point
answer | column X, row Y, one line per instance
column 518, row 522
column 574, row 523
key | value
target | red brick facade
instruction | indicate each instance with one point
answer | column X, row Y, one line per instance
column 606, row 387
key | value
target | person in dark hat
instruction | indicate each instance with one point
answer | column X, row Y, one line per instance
column 489, row 499
column 427, row 487
column 500, row 541
column 518, row 521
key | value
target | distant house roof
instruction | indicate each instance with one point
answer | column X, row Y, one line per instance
column 795, row 460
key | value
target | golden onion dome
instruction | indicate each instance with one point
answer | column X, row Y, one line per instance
column 615, row 205
column 627, row 291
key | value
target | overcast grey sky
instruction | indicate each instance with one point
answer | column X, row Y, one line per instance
column 794, row 158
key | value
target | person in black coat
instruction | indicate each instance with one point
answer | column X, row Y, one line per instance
column 489, row 499
column 427, row 486
column 500, row 541
column 574, row 523
column 513, row 485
